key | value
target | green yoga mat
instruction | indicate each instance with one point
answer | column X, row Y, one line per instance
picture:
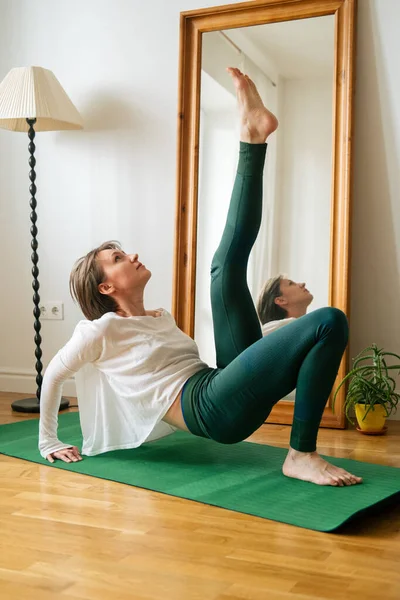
column 244, row 477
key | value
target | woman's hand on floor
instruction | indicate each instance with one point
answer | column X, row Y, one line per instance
column 67, row 455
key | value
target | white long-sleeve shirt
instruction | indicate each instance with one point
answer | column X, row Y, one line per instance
column 272, row 325
column 129, row 371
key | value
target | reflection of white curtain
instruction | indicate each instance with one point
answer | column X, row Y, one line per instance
column 219, row 145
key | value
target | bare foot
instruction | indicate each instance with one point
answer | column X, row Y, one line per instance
column 257, row 123
column 309, row 466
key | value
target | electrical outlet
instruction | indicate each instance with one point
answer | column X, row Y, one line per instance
column 52, row 311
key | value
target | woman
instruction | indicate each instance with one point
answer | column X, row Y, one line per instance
column 282, row 298
column 142, row 376
column 280, row 301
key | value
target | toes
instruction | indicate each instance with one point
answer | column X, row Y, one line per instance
column 334, row 480
column 243, row 78
column 348, row 478
column 345, row 477
column 353, row 479
column 238, row 73
column 338, row 475
column 234, row 72
column 240, row 81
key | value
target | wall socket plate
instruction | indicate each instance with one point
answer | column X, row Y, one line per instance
column 52, row 311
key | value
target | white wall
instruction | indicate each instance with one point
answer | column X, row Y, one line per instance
column 118, row 61
column 375, row 269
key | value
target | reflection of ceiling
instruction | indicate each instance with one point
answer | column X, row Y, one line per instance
column 214, row 97
column 296, row 49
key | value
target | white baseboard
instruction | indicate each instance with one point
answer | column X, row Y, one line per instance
column 24, row 382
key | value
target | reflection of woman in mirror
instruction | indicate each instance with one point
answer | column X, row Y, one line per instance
column 280, row 301
column 143, row 375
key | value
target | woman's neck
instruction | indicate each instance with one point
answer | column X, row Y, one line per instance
column 131, row 308
column 296, row 312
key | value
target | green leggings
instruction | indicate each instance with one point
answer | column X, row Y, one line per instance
column 253, row 373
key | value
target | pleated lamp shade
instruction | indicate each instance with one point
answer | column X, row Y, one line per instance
column 36, row 93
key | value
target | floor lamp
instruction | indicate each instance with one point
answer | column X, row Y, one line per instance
column 32, row 100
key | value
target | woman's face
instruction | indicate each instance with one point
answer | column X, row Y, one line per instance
column 295, row 294
column 122, row 272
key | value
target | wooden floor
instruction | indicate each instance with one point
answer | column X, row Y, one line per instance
column 66, row 536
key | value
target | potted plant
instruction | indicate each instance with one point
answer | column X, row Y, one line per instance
column 371, row 391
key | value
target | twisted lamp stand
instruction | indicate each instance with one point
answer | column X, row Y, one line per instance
column 32, row 405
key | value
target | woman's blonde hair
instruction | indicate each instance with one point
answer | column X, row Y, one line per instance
column 84, row 280
column 267, row 309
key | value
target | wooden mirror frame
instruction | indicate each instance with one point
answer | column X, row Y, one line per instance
column 260, row 12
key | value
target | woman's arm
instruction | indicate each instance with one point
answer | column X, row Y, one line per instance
column 50, row 398
column 83, row 347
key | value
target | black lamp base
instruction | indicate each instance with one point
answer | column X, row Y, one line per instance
column 31, row 405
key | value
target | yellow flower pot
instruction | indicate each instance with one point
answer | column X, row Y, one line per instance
column 375, row 419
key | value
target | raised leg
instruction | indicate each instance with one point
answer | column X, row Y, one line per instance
column 235, row 320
